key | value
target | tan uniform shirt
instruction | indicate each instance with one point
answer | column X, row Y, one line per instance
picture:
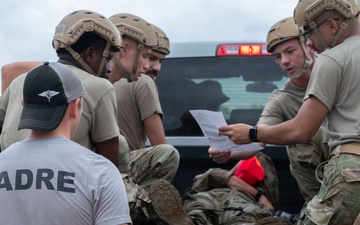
column 283, row 104
column 136, row 101
column 98, row 122
column 10, row 112
column 335, row 81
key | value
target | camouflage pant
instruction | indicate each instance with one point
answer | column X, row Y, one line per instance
column 124, row 155
column 338, row 201
column 210, row 194
column 154, row 163
column 146, row 166
column 304, row 159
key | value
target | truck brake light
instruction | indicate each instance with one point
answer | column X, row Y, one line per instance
column 242, row 50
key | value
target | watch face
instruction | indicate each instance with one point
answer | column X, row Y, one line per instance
column 252, row 134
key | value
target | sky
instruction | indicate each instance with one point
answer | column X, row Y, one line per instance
column 27, row 27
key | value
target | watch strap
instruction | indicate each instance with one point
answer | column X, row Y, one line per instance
column 258, row 194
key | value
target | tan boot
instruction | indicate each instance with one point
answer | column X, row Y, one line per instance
column 167, row 204
column 357, row 221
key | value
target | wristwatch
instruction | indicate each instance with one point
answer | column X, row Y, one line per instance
column 253, row 134
column 259, row 192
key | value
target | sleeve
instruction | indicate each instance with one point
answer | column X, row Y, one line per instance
column 104, row 120
column 110, row 205
column 4, row 100
column 147, row 98
column 272, row 113
column 212, row 178
column 325, row 81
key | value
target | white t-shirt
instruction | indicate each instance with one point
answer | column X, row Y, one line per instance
column 57, row 181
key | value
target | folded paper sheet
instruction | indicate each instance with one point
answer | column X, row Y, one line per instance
column 209, row 122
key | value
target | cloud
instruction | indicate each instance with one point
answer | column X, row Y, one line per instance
column 27, row 27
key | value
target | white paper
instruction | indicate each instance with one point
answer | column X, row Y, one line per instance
column 209, row 122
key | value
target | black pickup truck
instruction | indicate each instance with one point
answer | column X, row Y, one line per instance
column 233, row 78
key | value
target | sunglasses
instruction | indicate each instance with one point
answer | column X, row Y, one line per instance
column 309, row 30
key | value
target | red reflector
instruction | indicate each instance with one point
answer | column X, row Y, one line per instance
column 242, row 50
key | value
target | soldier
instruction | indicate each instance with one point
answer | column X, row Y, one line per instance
column 145, row 165
column 290, row 52
column 142, row 99
column 137, row 96
column 332, row 93
column 296, row 60
column 219, row 197
column 85, row 41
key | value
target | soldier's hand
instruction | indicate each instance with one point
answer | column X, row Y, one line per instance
column 219, row 157
column 238, row 133
column 266, row 203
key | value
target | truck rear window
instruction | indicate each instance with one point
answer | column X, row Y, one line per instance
column 237, row 86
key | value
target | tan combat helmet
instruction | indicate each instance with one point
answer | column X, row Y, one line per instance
column 135, row 28
column 75, row 24
column 163, row 44
column 307, row 10
column 138, row 29
column 285, row 30
column 281, row 31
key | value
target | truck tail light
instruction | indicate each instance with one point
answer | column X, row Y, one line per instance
column 242, row 50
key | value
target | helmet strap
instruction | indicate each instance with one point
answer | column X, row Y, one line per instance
column 79, row 59
column 105, row 56
column 121, row 67
column 297, row 72
column 308, row 59
column 320, row 37
column 343, row 26
column 133, row 76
